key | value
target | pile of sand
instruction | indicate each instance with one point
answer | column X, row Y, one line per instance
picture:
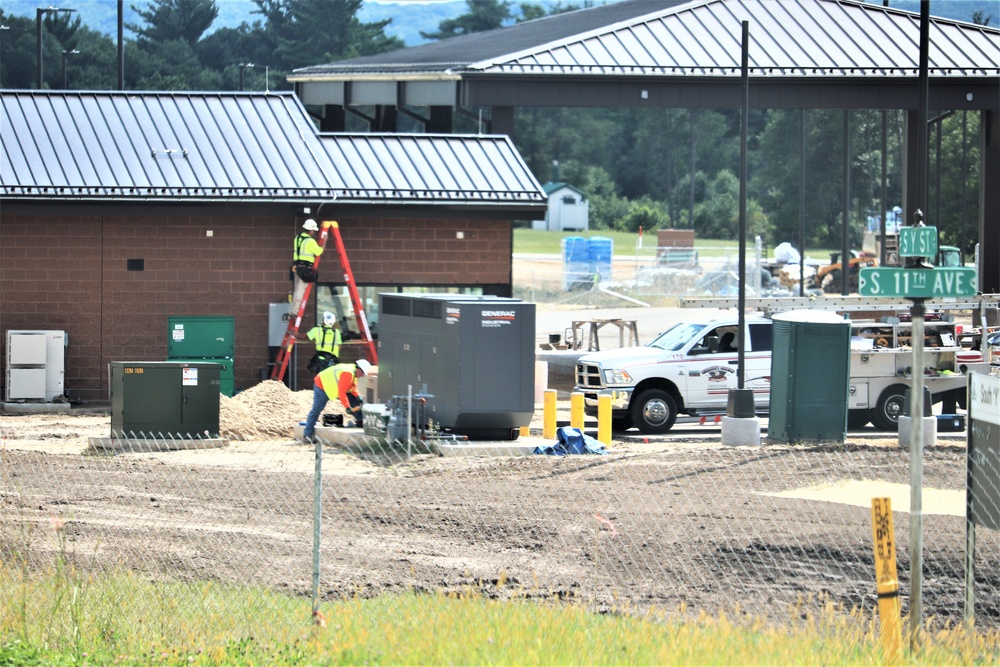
column 269, row 409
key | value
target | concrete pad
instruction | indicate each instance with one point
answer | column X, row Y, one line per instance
column 110, row 444
column 740, row 431
column 520, row 447
column 906, row 430
column 36, row 408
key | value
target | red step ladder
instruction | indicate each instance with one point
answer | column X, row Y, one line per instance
column 288, row 342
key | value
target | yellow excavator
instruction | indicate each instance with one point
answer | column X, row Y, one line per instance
column 828, row 277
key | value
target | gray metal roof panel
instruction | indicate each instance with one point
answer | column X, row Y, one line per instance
column 445, row 168
column 461, row 51
column 700, row 38
column 236, row 147
column 788, row 37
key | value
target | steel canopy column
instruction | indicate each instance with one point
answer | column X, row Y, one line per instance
column 989, row 202
column 501, row 120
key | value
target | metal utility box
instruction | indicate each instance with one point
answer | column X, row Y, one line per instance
column 165, row 399
column 277, row 323
column 473, row 354
column 36, row 365
column 810, row 377
column 193, row 338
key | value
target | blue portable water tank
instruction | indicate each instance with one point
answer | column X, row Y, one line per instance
column 600, row 249
column 576, row 263
column 576, row 249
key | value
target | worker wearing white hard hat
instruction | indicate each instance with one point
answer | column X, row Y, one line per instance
column 304, row 255
column 327, row 338
column 337, row 382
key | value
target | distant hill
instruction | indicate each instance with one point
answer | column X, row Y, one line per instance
column 411, row 18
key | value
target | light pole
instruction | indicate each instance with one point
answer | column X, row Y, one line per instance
column 74, row 52
column 244, row 66
column 39, row 12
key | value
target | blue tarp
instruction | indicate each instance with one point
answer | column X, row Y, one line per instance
column 572, row 440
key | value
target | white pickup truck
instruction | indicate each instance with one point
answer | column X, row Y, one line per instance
column 691, row 367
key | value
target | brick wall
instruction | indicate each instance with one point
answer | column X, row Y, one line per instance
column 70, row 271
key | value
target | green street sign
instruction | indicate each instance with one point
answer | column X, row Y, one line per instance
column 918, row 242
column 917, row 283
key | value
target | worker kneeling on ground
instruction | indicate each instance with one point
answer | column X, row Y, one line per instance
column 337, row 382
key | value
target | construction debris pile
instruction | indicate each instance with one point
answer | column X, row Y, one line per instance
column 269, row 409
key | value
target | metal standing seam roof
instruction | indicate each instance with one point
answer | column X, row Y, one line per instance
column 792, row 38
column 431, row 167
column 229, row 147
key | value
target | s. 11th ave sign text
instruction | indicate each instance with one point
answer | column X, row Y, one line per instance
column 894, row 281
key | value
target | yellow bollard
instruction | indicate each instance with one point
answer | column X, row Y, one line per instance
column 604, row 419
column 549, row 414
column 525, row 431
column 576, row 410
column 886, row 583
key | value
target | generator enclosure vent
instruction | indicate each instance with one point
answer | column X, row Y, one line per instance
column 473, row 354
column 165, row 399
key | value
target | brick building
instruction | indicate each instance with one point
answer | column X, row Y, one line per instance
column 119, row 210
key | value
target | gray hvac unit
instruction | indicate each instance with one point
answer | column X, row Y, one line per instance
column 474, row 356
column 36, row 365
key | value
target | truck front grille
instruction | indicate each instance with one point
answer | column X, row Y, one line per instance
column 589, row 375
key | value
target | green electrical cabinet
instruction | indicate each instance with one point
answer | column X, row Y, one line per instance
column 198, row 338
column 165, row 399
column 810, row 377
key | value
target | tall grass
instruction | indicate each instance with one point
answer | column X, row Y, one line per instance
column 124, row 619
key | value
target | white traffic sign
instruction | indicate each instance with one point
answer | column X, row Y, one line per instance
column 917, row 283
column 918, row 242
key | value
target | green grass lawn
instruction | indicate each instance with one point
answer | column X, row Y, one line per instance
column 66, row 618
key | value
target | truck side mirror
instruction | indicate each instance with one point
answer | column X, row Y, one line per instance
column 712, row 343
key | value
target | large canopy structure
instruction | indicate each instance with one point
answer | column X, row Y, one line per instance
column 804, row 54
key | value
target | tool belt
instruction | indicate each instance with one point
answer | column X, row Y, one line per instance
column 305, row 271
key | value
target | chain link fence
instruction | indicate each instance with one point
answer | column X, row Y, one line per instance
column 677, row 523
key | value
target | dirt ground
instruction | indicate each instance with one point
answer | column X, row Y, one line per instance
column 677, row 522
column 674, row 522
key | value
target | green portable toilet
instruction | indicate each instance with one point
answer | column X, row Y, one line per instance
column 204, row 338
column 810, row 377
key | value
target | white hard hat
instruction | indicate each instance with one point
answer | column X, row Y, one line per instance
column 311, row 225
column 329, row 318
column 363, row 365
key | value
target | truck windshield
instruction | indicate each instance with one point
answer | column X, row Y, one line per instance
column 674, row 338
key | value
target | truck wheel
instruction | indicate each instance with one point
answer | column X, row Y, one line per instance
column 857, row 419
column 619, row 424
column 654, row 411
column 886, row 414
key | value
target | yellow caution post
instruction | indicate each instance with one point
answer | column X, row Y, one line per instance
column 549, row 414
column 886, row 583
column 576, row 410
column 604, row 419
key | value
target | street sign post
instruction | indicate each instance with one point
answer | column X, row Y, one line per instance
column 896, row 281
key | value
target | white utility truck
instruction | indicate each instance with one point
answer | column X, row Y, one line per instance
column 691, row 367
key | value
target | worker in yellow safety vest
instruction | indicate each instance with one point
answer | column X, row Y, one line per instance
column 327, row 339
column 337, row 382
column 305, row 252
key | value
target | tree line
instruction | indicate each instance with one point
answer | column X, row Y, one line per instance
column 645, row 169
